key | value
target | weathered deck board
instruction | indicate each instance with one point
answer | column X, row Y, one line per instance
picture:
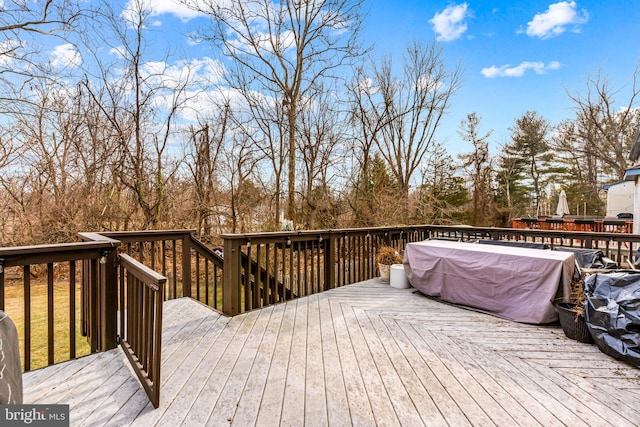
column 365, row 354
column 441, row 397
column 247, row 411
column 315, row 408
column 415, row 390
column 359, row 405
column 228, row 401
column 294, row 390
column 205, row 401
column 381, row 405
column 270, row 408
column 336, row 392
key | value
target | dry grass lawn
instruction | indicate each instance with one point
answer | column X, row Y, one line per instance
column 14, row 306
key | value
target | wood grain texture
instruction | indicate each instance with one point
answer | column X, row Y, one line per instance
column 365, row 354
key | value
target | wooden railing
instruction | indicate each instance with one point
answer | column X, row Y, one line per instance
column 208, row 274
column 40, row 289
column 621, row 247
column 141, row 297
column 54, row 300
column 192, row 269
column 307, row 262
column 295, row 264
column 64, row 292
column 599, row 225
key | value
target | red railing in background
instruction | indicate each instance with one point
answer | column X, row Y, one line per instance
column 597, row 225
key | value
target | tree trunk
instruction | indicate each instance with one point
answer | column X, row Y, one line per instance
column 291, row 193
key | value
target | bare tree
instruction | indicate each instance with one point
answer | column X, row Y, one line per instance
column 287, row 47
column 366, row 124
column 46, row 17
column 478, row 166
column 410, row 107
column 59, row 181
column 239, row 160
column 205, row 146
column 140, row 102
column 581, row 173
column 604, row 127
column 321, row 133
column 264, row 124
column 25, row 27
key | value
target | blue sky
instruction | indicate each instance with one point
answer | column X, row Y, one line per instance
column 515, row 56
column 518, row 55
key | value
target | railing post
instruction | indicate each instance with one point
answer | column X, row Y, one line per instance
column 329, row 262
column 93, row 312
column 387, row 237
column 588, row 242
column 231, row 273
column 109, row 297
column 186, row 265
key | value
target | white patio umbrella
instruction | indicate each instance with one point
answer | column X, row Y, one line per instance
column 563, row 206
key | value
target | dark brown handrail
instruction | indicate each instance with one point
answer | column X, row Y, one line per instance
column 257, row 270
column 52, row 257
column 315, row 260
column 42, row 254
column 141, row 297
column 205, row 251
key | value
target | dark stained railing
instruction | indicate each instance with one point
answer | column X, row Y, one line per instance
column 257, row 270
column 294, row 264
column 192, row 269
column 141, row 297
column 621, row 247
column 207, row 278
column 47, row 308
column 57, row 293
column 164, row 251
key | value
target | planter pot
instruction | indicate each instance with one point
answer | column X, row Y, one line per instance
column 398, row 278
column 573, row 326
column 385, row 271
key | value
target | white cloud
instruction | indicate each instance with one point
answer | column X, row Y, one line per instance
column 160, row 7
column 65, row 55
column 555, row 20
column 519, row 70
column 195, row 72
column 190, row 83
column 366, row 86
column 449, row 24
column 118, row 51
column 7, row 51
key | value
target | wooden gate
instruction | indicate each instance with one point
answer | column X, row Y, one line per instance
column 141, row 297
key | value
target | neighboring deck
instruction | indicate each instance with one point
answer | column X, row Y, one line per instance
column 365, row 354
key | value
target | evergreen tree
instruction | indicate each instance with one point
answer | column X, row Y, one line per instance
column 374, row 196
column 442, row 196
column 527, row 162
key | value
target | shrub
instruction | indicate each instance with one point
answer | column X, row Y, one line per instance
column 388, row 255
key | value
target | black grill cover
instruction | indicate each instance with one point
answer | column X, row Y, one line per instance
column 613, row 313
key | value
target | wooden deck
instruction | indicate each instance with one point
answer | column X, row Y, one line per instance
column 365, row 354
